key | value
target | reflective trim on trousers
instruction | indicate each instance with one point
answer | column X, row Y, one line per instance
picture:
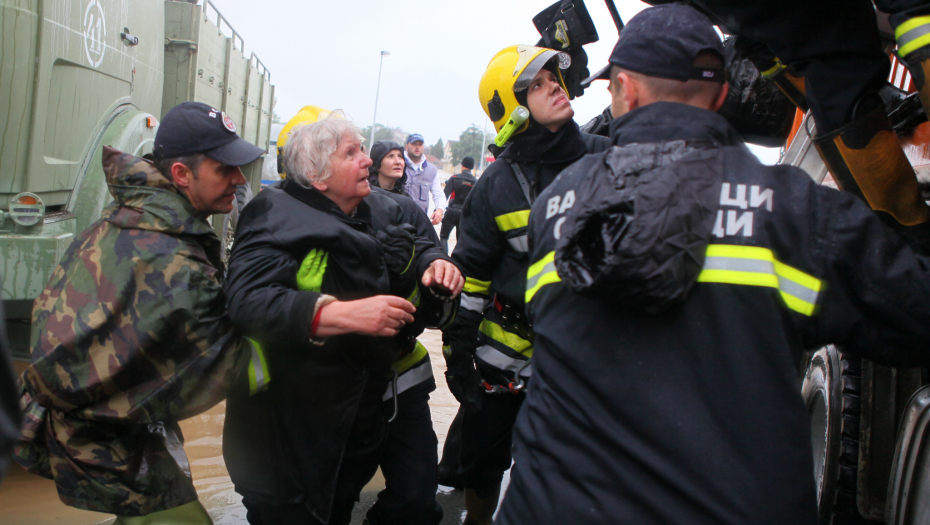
column 511, row 340
column 756, row 266
column 494, row 357
column 411, row 378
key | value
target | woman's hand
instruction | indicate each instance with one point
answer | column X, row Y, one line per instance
column 445, row 275
column 381, row 315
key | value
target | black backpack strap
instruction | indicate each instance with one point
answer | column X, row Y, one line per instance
column 524, row 185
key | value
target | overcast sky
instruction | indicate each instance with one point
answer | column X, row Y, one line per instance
column 326, row 53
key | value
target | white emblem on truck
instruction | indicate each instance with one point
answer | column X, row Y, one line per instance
column 95, row 33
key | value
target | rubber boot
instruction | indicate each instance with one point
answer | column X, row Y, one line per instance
column 480, row 511
column 913, row 37
column 191, row 513
column 866, row 160
column 789, row 83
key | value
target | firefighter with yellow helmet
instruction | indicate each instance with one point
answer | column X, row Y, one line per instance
column 489, row 344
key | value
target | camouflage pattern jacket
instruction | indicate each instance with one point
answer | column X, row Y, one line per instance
column 130, row 336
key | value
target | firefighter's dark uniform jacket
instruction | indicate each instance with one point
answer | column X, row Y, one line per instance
column 458, row 187
column 306, row 403
column 415, row 370
column 694, row 415
column 492, row 249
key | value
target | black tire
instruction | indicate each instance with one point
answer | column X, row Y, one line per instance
column 831, row 391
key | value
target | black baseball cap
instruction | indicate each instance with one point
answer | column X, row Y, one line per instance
column 663, row 41
column 195, row 127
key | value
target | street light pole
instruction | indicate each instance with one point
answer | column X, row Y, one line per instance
column 484, row 154
column 371, row 138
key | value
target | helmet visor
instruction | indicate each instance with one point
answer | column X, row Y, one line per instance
column 537, row 63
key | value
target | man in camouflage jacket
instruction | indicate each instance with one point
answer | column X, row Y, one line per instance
column 131, row 333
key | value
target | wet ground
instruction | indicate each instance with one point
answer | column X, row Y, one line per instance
column 30, row 500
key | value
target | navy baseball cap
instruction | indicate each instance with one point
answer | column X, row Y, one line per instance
column 663, row 41
column 413, row 137
column 194, row 127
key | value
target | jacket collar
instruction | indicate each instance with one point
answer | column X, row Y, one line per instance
column 667, row 121
column 416, row 166
column 146, row 200
column 313, row 198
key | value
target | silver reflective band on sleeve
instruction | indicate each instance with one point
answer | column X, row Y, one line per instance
column 520, row 244
column 410, row 379
column 912, row 35
column 472, row 303
column 497, row 359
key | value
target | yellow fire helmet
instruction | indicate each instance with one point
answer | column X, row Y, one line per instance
column 508, row 73
column 306, row 115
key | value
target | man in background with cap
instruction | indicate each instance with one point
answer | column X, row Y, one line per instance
column 131, row 334
column 456, row 190
column 673, row 297
column 422, row 179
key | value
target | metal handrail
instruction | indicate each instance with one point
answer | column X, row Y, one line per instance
column 235, row 35
column 220, row 18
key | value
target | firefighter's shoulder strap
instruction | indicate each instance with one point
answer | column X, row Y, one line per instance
column 524, row 185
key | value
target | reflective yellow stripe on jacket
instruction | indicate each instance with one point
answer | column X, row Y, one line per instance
column 541, row 273
column 755, row 266
column 258, row 369
column 513, row 220
column 475, row 286
column 404, row 363
column 512, row 341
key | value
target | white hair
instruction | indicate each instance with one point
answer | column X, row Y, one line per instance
column 310, row 148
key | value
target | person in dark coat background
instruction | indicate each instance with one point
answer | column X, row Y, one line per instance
column 674, row 283
column 456, row 190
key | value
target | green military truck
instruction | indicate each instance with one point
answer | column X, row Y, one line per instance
column 76, row 75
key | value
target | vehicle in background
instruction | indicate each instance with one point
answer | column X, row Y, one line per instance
column 81, row 74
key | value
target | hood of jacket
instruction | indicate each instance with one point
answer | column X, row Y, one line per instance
column 646, row 208
column 146, row 199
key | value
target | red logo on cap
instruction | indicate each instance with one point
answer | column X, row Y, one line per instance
column 228, row 122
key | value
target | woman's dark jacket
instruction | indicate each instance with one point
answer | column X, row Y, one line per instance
column 285, row 443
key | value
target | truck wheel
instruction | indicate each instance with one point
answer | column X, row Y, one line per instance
column 831, row 391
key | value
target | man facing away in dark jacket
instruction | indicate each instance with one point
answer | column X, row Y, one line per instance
column 672, row 300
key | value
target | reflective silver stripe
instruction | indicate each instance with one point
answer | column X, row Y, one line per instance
column 531, row 282
column 411, row 378
column 911, row 36
column 739, row 265
column 801, row 292
column 497, row 359
column 766, row 267
column 520, row 244
column 473, row 303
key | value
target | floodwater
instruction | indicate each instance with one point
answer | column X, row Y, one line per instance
column 26, row 499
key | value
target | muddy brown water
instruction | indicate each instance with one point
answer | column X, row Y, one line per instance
column 26, row 499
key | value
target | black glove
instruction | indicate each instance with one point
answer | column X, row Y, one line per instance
column 464, row 381
column 399, row 251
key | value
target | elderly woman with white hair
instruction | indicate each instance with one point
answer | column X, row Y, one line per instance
column 324, row 278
